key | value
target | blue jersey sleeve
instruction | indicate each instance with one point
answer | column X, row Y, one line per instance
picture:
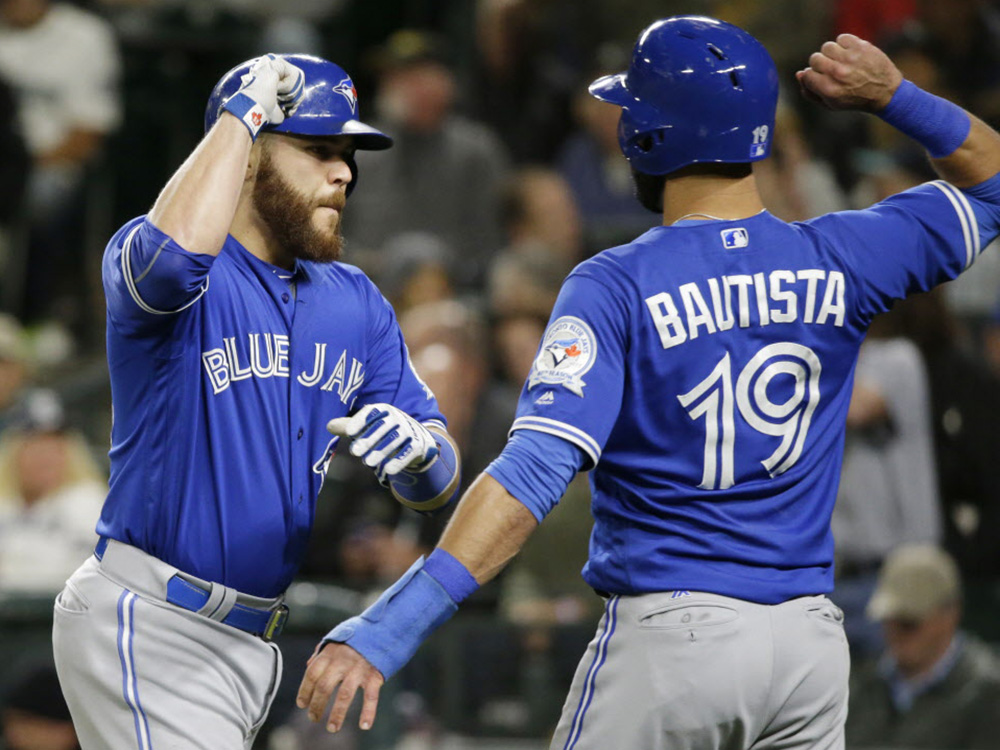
column 390, row 377
column 536, row 468
column 148, row 277
column 910, row 242
column 574, row 390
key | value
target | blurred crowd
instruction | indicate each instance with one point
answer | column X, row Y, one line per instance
column 504, row 175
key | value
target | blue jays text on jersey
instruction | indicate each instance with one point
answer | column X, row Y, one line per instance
column 224, row 373
column 704, row 372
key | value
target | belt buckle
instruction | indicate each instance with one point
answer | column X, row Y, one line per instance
column 275, row 623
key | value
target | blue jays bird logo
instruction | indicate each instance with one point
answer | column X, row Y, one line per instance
column 561, row 349
column 346, row 89
column 567, row 352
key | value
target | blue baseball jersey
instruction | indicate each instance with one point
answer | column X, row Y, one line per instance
column 705, row 371
column 224, row 373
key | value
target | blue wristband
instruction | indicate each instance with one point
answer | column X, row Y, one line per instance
column 432, row 488
column 454, row 577
column 391, row 630
column 247, row 111
column 935, row 123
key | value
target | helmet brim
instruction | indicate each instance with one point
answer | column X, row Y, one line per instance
column 365, row 137
column 612, row 89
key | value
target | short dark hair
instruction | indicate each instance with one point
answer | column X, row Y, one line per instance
column 649, row 187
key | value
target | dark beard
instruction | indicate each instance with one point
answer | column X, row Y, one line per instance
column 287, row 214
column 649, row 190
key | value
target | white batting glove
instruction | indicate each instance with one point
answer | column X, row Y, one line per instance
column 388, row 440
column 270, row 90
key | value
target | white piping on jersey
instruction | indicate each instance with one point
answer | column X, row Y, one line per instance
column 966, row 217
column 131, row 284
column 568, row 432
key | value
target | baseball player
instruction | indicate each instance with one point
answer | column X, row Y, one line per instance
column 233, row 337
column 703, row 374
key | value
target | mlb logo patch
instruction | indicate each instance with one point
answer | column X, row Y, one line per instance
column 733, row 239
column 757, row 150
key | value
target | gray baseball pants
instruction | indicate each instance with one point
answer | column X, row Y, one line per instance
column 140, row 673
column 693, row 671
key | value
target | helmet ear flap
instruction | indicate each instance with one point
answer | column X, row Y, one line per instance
column 648, row 141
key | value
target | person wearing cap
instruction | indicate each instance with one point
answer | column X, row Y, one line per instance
column 935, row 686
column 445, row 174
column 51, row 492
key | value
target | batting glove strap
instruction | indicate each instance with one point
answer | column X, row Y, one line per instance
column 391, row 630
column 247, row 111
column 433, row 485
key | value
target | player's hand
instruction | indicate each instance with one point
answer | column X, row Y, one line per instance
column 338, row 667
column 850, row 73
column 387, row 439
column 270, row 90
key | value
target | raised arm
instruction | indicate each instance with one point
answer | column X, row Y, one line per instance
column 197, row 205
column 853, row 74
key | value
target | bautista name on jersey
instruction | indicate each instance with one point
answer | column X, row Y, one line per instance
column 704, row 372
column 760, row 299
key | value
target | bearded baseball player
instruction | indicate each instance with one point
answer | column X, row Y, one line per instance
column 234, row 336
column 703, row 374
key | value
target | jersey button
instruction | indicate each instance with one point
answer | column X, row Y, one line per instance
column 285, row 297
column 301, row 432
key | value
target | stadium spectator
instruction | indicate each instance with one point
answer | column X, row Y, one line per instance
column 413, row 268
column 51, row 493
column 64, row 65
column 540, row 215
column 529, row 58
column 888, row 487
column 794, row 184
column 446, row 342
column 965, row 399
column 935, row 686
column 590, row 161
column 444, row 173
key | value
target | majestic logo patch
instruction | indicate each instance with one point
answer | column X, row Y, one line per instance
column 733, row 239
column 568, row 352
column 346, row 89
column 546, row 398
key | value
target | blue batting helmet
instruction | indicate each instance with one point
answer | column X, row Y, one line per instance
column 329, row 106
column 696, row 90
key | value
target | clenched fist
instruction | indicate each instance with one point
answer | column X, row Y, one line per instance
column 850, row 73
